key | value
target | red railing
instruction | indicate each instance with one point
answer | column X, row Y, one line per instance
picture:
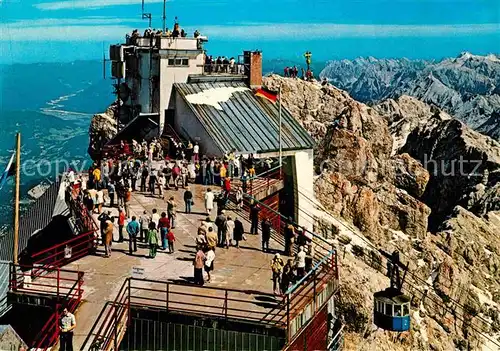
column 117, row 150
column 264, row 181
column 228, row 304
column 70, row 250
column 64, row 286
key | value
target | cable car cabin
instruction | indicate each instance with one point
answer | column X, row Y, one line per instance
column 391, row 310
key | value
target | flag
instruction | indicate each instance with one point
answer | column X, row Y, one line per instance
column 9, row 171
column 267, row 94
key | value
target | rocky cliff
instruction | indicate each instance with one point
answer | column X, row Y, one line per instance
column 102, row 129
column 467, row 86
column 373, row 166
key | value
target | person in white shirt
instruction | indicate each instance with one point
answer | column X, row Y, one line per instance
column 196, row 151
column 209, row 262
column 300, row 262
column 209, row 201
column 155, row 218
column 144, row 221
column 229, row 230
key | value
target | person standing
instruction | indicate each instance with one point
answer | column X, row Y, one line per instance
column 300, row 262
column 221, row 222
column 133, row 231
column 144, row 177
column 266, row 234
column 164, row 226
column 277, row 268
column 171, row 240
column 289, row 237
column 144, row 221
column 121, row 224
column 67, row 324
column 196, row 151
column 199, row 263
column 211, row 237
column 152, row 181
column 238, row 232
column 229, row 230
column 111, row 193
column 128, row 197
column 103, row 220
column 239, row 198
column 188, row 199
column 209, row 201
column 287, row 277
column 100, row 200
column 108, row 237
column 155, row 218
column 209, row 262
column 152, row 239
column 254, row 217
column 172, row 211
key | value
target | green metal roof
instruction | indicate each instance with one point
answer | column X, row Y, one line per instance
column 245, row 122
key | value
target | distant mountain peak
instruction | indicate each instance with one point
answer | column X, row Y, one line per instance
column 466, row 86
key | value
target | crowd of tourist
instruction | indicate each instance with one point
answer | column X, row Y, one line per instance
column 145, row 166
column 293, row 72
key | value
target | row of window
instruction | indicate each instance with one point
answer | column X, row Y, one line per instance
column 306, row 314
column 390, row 309
column 178, row 62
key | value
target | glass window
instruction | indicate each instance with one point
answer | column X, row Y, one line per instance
column 406, row 309
column 170, row 62
column 380, row 306
column 397, row 310
column 185, row 62
column 388, row 309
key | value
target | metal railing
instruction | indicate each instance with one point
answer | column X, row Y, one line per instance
column 226, row 304
column 225, row 68
column 64, row 286
column 70, row 250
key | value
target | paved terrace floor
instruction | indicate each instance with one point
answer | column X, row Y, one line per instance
column 243, row 268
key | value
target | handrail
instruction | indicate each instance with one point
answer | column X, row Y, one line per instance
column 61, row 244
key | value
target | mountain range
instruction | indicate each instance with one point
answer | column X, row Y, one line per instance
column 467, row 86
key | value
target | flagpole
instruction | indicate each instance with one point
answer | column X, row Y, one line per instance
column 280, row 138
column 16, row 201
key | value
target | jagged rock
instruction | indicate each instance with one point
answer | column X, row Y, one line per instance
column 102, row 129
column 410, row 175
column 458, row 159
column 383, row 198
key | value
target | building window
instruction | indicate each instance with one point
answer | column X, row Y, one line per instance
column 179, row 62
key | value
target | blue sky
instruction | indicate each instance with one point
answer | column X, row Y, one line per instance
column 44, row 30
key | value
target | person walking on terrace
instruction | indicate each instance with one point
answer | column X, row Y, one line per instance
column 152, row 239
column 277, row 265
column 171, row 240
column 121, row 224
column 172, row 211
column 199, row 263
column 144, row 221
column 254, row 217
column 221, row 222
column 209, row 201
column 103, row 219
column 164, row 226
column 188, row 199
column 67, row 324
column 133, row 231
column 266, row 234
column 209, row 262
column 108, row 237
column 238, row 232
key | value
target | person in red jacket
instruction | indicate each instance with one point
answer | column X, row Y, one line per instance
column 121, row 224
column 227, row 187
column 170, row 239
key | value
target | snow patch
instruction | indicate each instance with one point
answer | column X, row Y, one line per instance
column 397, row 234
column 213, row 97
column 485, row 297
column 420, row 262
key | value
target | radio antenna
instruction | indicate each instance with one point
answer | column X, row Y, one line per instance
column 146, row 15
column 164, row 15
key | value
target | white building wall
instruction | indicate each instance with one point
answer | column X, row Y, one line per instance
column 175, row 74
column 190, row 128
column 303, row 164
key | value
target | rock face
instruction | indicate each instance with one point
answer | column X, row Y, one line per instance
column 467, row 86
column 102, row 129
column 373, row 175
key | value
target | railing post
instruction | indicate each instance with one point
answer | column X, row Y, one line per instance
column 288, row 317
column 225, row 304
column 115, row 341
column 58, row 280
column 168, row 288
column 128, row 303
column 314, row 290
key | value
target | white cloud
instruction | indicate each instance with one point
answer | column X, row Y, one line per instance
column 304, row 31
column 87, row 4
column 58, row 22
column 65, row 33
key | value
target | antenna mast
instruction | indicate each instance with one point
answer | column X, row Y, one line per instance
column 146, row 15
column 164, row 15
